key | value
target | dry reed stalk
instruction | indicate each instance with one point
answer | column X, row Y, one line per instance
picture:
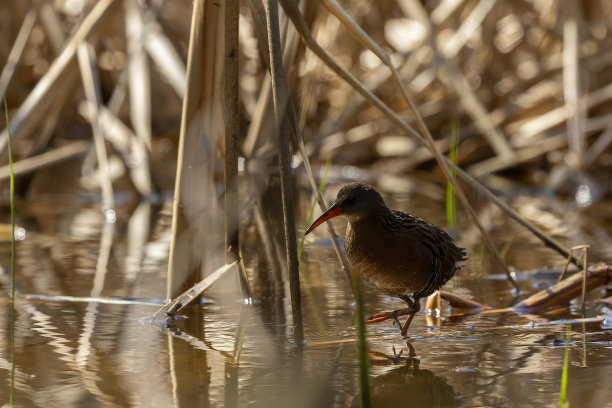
column 173, row 306
column 280, row 97
column 61, row 74
column 50, row 125
column 131, row 148
column 91, row 83
column 46, row 159
column 232, row 130
column 258, row 15
column 599, row 146
column 17, row 49
column 257, row 132
column 139, row 77
column 571, row 85
column 166, row 58
column 52, row 24
column 190, row 195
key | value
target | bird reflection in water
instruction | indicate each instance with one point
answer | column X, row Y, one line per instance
column 408, row 385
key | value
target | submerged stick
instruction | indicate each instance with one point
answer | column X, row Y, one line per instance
column 567, row 289
column 280, row 97
column 461, row 302
column 175, row 305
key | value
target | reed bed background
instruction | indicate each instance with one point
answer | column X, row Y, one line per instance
column 526, row 83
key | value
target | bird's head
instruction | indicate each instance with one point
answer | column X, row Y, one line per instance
column 354, row 201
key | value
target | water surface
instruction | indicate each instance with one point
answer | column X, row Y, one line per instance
column 71, row 350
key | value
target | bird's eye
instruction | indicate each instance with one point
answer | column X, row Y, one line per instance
column 349, row 201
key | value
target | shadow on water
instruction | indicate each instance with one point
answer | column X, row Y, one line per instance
column 80, row 340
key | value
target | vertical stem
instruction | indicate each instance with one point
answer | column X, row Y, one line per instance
column 258, row 15
column 585, row 275
column 571, row 84
column 362, row 346
column 451, row 208
column 232, row 222
column 13, row 250
column 563, row 403
column 178, row 272
column 280, row 97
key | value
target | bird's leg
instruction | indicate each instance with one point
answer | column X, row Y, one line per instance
column 413, row 306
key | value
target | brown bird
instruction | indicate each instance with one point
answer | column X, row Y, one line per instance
column 394, row 252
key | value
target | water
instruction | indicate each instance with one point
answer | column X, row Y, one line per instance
column 74, row 349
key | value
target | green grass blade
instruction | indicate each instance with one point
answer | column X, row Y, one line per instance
column 563, row 402
column 451, row 206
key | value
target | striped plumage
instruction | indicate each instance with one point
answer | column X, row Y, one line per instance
column 394, row 252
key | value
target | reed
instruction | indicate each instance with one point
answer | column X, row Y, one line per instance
column 232, row 129
column 280, row 96
column 13, row 253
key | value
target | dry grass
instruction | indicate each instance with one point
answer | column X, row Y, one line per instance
column 528, row 82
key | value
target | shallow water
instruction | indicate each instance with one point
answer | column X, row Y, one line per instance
column 75, row 351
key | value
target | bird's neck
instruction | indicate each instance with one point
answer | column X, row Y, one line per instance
column 371, row 220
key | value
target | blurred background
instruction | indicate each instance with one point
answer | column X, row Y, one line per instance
column 519, row 91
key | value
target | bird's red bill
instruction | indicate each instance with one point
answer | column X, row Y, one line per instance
column 332, row 212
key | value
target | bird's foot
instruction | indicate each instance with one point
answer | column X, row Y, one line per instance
column 379, row 317
column 382, row 316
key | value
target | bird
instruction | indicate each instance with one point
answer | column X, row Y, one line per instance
column 395, row 253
